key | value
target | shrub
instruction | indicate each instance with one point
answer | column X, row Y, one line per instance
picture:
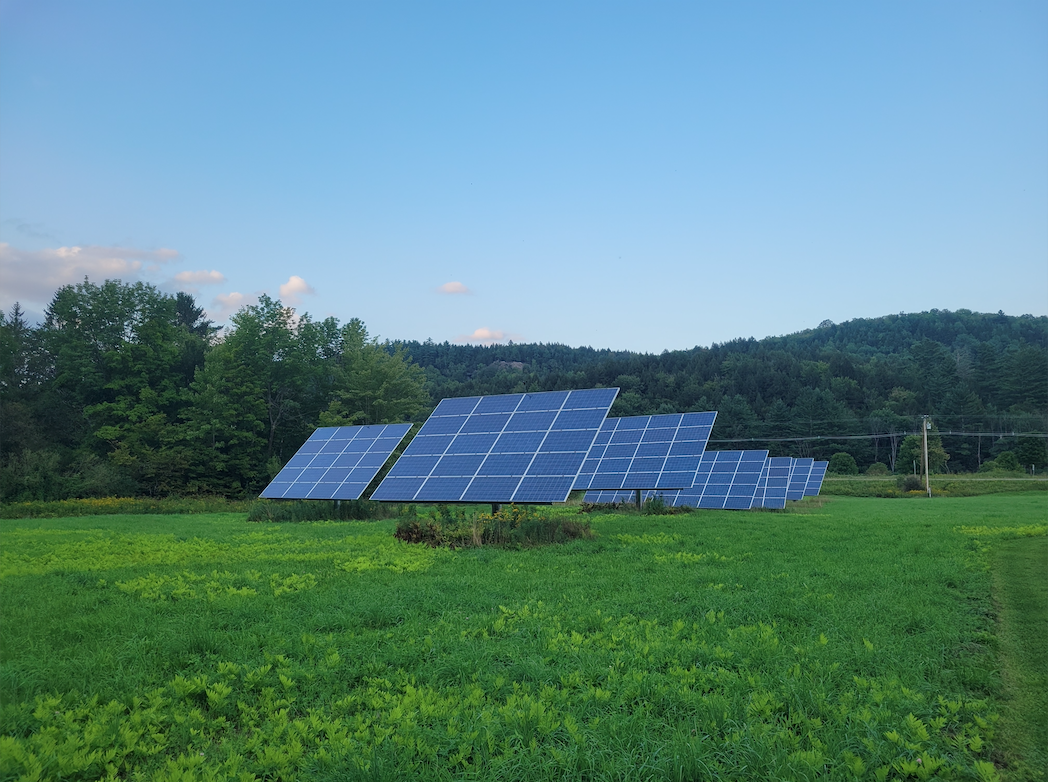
column 842, row 463
column 1008, row 461
column 877, row 468
column 321, row 510
column 910, row 483
column 515, row 526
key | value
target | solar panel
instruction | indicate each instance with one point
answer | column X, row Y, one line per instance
column 336, row 462
column 774, row 481
column 814, row 485
column 646, row 452
column 506, row 448
column 725, row 479
column 798, row 478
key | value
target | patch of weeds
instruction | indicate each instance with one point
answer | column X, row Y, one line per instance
column 513, row 527
column 321, row 510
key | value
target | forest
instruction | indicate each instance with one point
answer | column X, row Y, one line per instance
column 124, row 390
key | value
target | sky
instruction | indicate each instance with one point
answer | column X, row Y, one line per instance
column 634, row 176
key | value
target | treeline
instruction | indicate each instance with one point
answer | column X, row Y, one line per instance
column 127, row 391
column 858, row 387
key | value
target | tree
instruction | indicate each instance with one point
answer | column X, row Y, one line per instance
column 281, row 354
column 912, row 451
column 372, row 385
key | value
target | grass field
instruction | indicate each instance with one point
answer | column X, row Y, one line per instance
column 851, row 639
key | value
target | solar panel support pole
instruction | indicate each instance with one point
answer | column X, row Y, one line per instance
column 495, row 507
column 638, row 500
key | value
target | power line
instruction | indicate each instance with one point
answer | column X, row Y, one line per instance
column 875, row 436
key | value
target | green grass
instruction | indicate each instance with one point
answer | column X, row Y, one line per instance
column 853, row 638
column 942, row 485
column 1021, row 589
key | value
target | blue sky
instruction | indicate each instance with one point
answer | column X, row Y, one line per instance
column 641, row 176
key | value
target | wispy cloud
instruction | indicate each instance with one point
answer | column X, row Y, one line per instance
column 291, row 291
column 33, row 276
column 453, row 288
column 32, row 230
column 486, row 336
column 190, row 281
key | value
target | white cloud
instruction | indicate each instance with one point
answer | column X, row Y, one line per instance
column 486, row 336
column 190, row 280
column 292, row 290
column 33, row 276
column 225, row 304
column 453, row 287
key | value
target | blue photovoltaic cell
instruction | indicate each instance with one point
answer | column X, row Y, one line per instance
column 505, row 448
column 774, row 482
column 818, row 472
column 799, row 478
column 646, row 452
column 336, row 462
column 725, row 479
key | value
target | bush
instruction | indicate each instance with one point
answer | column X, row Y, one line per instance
column 910, row 483
column 322, row 510
column 1007, row 461
column 842, row 463
column 877, row 468
column 515, row 526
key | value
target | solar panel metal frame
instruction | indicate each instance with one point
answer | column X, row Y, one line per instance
column 524, row 448
column 336, row 462
column 616, row 496
column 814, row 484
column 646, row 452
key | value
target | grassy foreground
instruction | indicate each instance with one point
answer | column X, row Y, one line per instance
column 853, row 640
column 1021, row 589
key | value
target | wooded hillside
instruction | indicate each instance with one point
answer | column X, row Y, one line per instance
column 124, row 390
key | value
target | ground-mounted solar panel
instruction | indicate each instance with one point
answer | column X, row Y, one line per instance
column 336, row 462
column 725, row 479
column 646, row 452
column 506, row 448
column 774, row 483
column 799, row 473
column 814, row 485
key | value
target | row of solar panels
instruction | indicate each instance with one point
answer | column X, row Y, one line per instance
column 507, row 448
column 737, row 480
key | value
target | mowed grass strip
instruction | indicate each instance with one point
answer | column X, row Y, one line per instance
column 853, row 640
column 1021, row 589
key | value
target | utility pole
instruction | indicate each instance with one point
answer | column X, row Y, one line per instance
column 927, row 476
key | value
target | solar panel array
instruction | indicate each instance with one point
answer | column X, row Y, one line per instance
column 505, row 448
column 537, row 448
column 735, row 480
column 646, row 452
column 336, row 462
